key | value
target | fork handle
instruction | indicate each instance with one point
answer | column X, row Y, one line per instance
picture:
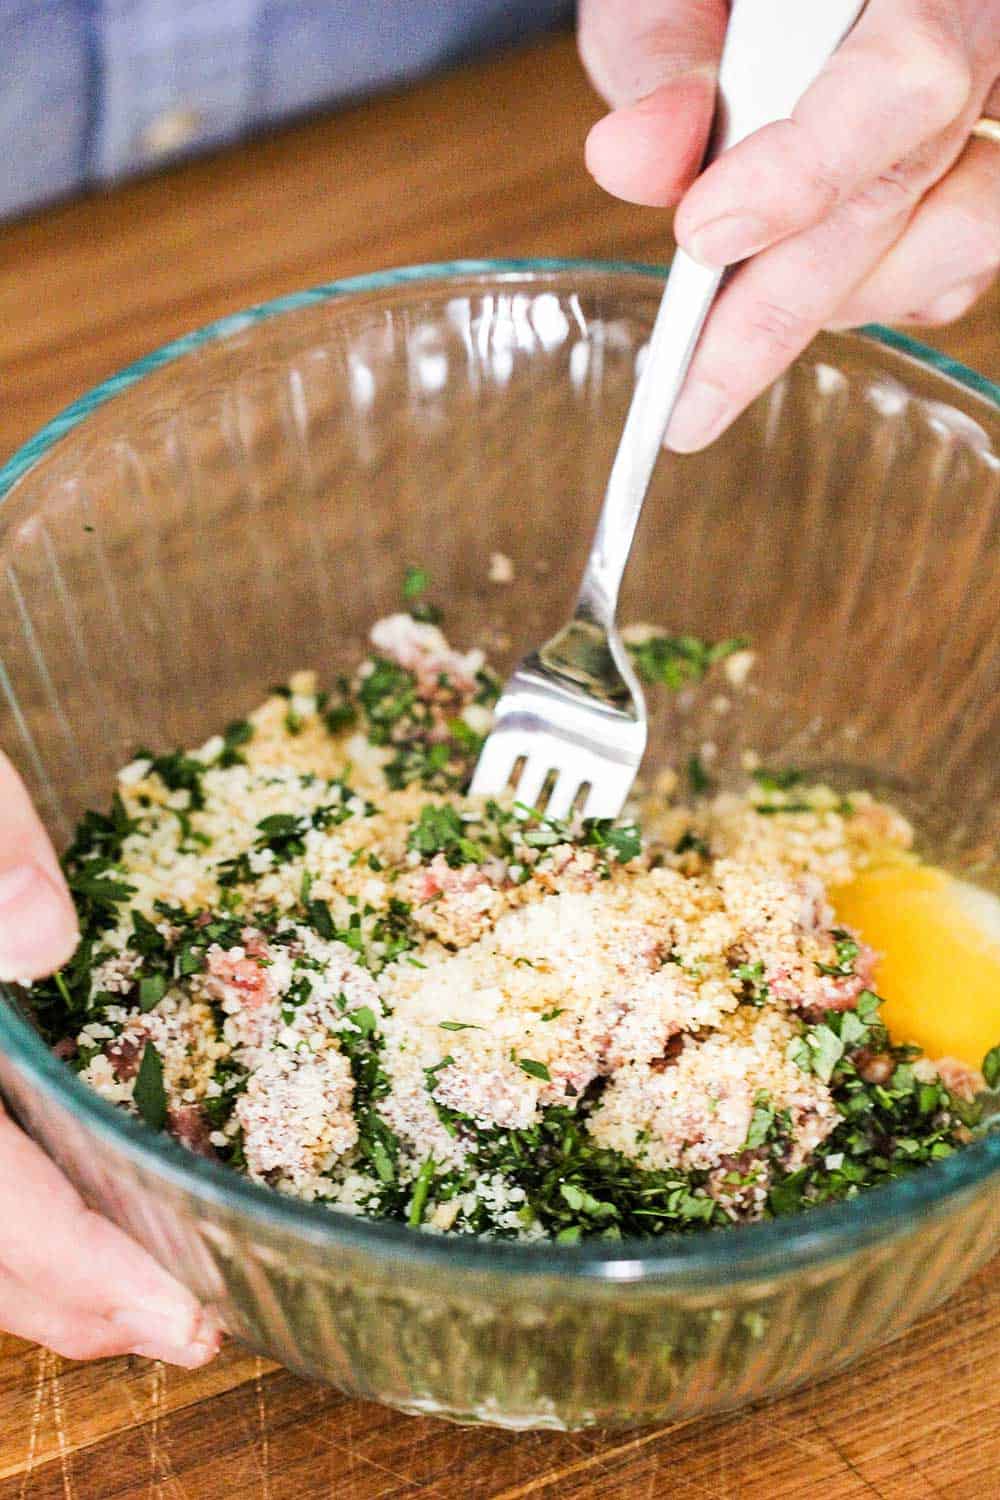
column 774, row 50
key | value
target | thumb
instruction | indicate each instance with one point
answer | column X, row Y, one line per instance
column 655, row 61
column 38, row 927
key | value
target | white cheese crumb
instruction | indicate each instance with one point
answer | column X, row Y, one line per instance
column 739, row 666
column 134, row 772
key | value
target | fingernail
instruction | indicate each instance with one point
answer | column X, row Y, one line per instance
column 37, row 925
column 173, row 1326
column 699, row 416
column 188, row 1356
column 951, row 305
column 730, row 238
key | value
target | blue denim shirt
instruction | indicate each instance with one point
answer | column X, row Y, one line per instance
column 91, row 90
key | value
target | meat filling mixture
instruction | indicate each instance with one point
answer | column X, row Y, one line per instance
column 308, row 955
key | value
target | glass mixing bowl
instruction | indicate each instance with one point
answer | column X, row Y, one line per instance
column 243, row 503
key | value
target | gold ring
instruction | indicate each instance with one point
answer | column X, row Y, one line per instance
column 987, row 130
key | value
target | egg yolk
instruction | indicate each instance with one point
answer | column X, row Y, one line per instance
column 939, row 971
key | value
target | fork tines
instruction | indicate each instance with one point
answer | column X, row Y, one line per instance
column 560, row 750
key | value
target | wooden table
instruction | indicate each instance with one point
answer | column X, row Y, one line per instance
column 484, row 162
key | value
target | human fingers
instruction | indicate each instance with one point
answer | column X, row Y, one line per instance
column 770, row 311
column 74, row 1282
column 874, row 118
column 77, row 1335
column 655, row 61
column 948, row 256
column 38, row 927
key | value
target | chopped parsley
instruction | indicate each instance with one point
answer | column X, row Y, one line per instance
column 846, row 950
column 623, row 839
column 755, row 990
column 886, row 1128
column 761, row 1122
column 777, row 781
column 440, row 830
column 387, row 695
column 179, row 772
column 574, row 1188
column 691, row 842
column 674, row 661
column 698, row 778
column 551, row 1176
column 421, row 1189
column 415, row 582
column 148, row 1091
column 152, row 988
column 240, row 732
column 284, row 835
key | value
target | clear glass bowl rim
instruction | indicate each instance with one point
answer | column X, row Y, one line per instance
column 738, row 1254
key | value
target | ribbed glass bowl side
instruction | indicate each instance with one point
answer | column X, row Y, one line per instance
column 246, row 506
column 520, row 1348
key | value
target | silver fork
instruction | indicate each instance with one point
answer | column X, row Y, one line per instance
column 572, row 719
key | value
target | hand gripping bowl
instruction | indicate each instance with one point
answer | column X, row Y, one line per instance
column 243, row 503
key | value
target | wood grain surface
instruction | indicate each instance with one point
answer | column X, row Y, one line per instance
column 486, row 161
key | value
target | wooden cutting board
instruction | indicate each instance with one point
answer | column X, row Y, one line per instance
column 919, row 1419
column 484, row 162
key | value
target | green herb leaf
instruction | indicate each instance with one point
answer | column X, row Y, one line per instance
column 868, row 1006
column 689, row 840
column 535, row 1069
column 365, row 1020
column 387, row 693
column 415, row 582
column 340, row 716
column 582, row 1202
column 431, row 1073
column 239, row 732
column 777, row 781
column 623, row 839
column 755, row 990
column 825, row 1051
column 440, row 830
column 421, row 1190
column 698, row 778
column 382, row 1161
column 148, row 1092
column 846, row 950
column 93, row 883
column 853, row 1030
column 180, row 772
column 152, row 989
column 675, row 660
column 761, row 1122
column 320, row 919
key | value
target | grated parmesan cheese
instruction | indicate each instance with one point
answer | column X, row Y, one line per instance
column 361, row 988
